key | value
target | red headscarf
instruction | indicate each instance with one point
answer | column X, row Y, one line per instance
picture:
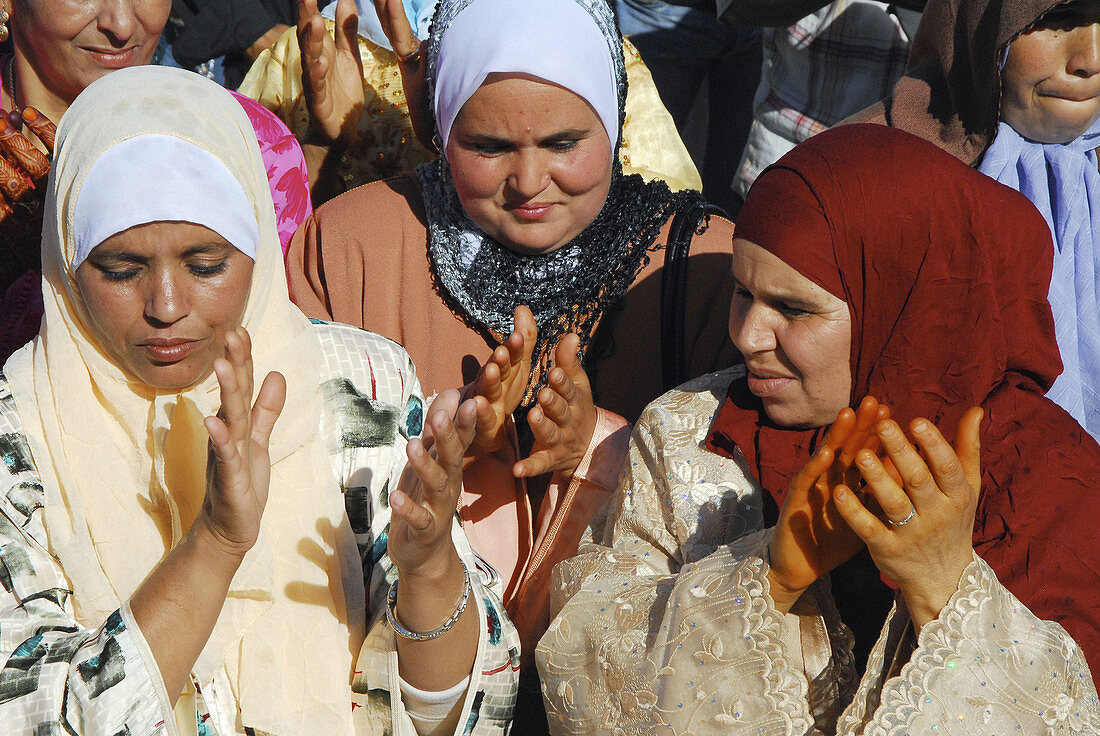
column 945, row 273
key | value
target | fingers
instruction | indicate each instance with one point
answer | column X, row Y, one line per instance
column 12, row 182
column 491, row 384
column 915, row 475
column 891, row 497
column 395, row 24
column 862, row 522
column 523, row 322
column 42, row 126
column 230, row 460
column 24, row 154
column 238, row 346
column 867, row 415
column 268, row 407
column 413, row 514
column 347, row 24
column 839, row 431
column 311, row 33
column 234, row 407
column 812, row 470
column 968, row 446
column 947, row 471
column 453, row 437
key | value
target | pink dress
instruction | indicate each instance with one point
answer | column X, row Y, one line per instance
column 21, row 302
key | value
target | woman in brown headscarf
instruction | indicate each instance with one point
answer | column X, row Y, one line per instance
column 1012, row 87
column 690, row 614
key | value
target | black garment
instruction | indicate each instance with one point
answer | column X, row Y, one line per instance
column 206, row 29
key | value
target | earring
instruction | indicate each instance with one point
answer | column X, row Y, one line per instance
column 4, row 25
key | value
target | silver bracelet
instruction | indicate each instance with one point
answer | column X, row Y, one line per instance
column 391, row 614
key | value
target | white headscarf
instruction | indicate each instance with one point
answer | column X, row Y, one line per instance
column 555, row 40
column 123, row 465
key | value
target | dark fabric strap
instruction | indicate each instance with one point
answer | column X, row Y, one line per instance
column 685, row 224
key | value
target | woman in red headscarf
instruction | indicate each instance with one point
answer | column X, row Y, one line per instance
column 718, row 599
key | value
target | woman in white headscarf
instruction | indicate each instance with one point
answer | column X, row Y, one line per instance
column 364, row 131
column 168, row 571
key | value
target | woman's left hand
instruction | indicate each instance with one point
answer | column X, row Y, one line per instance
column 424, row 504
column 564, row 418
column 332, row 72
column 239, row 466
column 926, row 542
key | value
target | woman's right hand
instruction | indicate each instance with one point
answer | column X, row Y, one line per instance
column 23, row 170
column 811, row 538
column 332, row 72
column 239, row 466
column 414, row 79
column 500, row 385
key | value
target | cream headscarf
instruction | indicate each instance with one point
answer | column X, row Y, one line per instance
column 123, row 465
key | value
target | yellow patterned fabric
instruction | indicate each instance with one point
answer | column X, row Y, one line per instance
column 387, row 146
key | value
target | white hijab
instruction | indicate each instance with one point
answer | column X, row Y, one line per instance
column 555, row 40
column 123, row 465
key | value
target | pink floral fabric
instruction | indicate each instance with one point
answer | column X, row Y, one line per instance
column 286, row 168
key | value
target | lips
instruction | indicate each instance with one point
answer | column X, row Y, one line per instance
column 169, row 350
column 532, row 210
column 764, row 384
column 110, row 58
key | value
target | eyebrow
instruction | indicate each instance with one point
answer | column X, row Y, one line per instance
column 491, row 140
column 125, row 255
column 786, row 297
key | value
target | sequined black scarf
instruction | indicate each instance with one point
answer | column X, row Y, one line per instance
column 571, row 289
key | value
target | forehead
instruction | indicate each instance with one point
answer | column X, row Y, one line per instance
column 766, row 274
column 515, row 101
column 161, row 239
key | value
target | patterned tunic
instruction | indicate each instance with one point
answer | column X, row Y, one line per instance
column 61, row 677
column 668, row 628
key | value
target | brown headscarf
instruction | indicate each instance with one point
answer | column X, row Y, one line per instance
column 950, row 93
column 945, row 273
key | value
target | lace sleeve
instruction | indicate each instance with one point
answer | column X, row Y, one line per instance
column 986, row 665
column 701, row 651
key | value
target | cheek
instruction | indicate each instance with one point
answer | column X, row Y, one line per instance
column 475, row 177
column 112, row 310
column 822, row 354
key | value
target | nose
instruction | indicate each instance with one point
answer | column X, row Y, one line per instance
column 166, row 301
column 750, row 328
column 530, row 174
column 117, row 20
column 1084, row 51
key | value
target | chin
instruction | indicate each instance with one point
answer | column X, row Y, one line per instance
column 175, row 377
column 530, row 242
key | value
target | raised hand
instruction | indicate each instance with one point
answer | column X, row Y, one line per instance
column 414, row 80
column 332, row 72
column 926, row 541
column 239, row 468
column 811, row 538
column 500, row 385
column 424, row 503
column 23, row 168
column 564, row 418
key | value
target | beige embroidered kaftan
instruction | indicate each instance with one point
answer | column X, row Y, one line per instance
column 667, row 627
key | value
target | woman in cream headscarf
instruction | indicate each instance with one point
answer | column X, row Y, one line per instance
column 138, row 580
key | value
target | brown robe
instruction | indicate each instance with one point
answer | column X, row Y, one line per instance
column 363, row 259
